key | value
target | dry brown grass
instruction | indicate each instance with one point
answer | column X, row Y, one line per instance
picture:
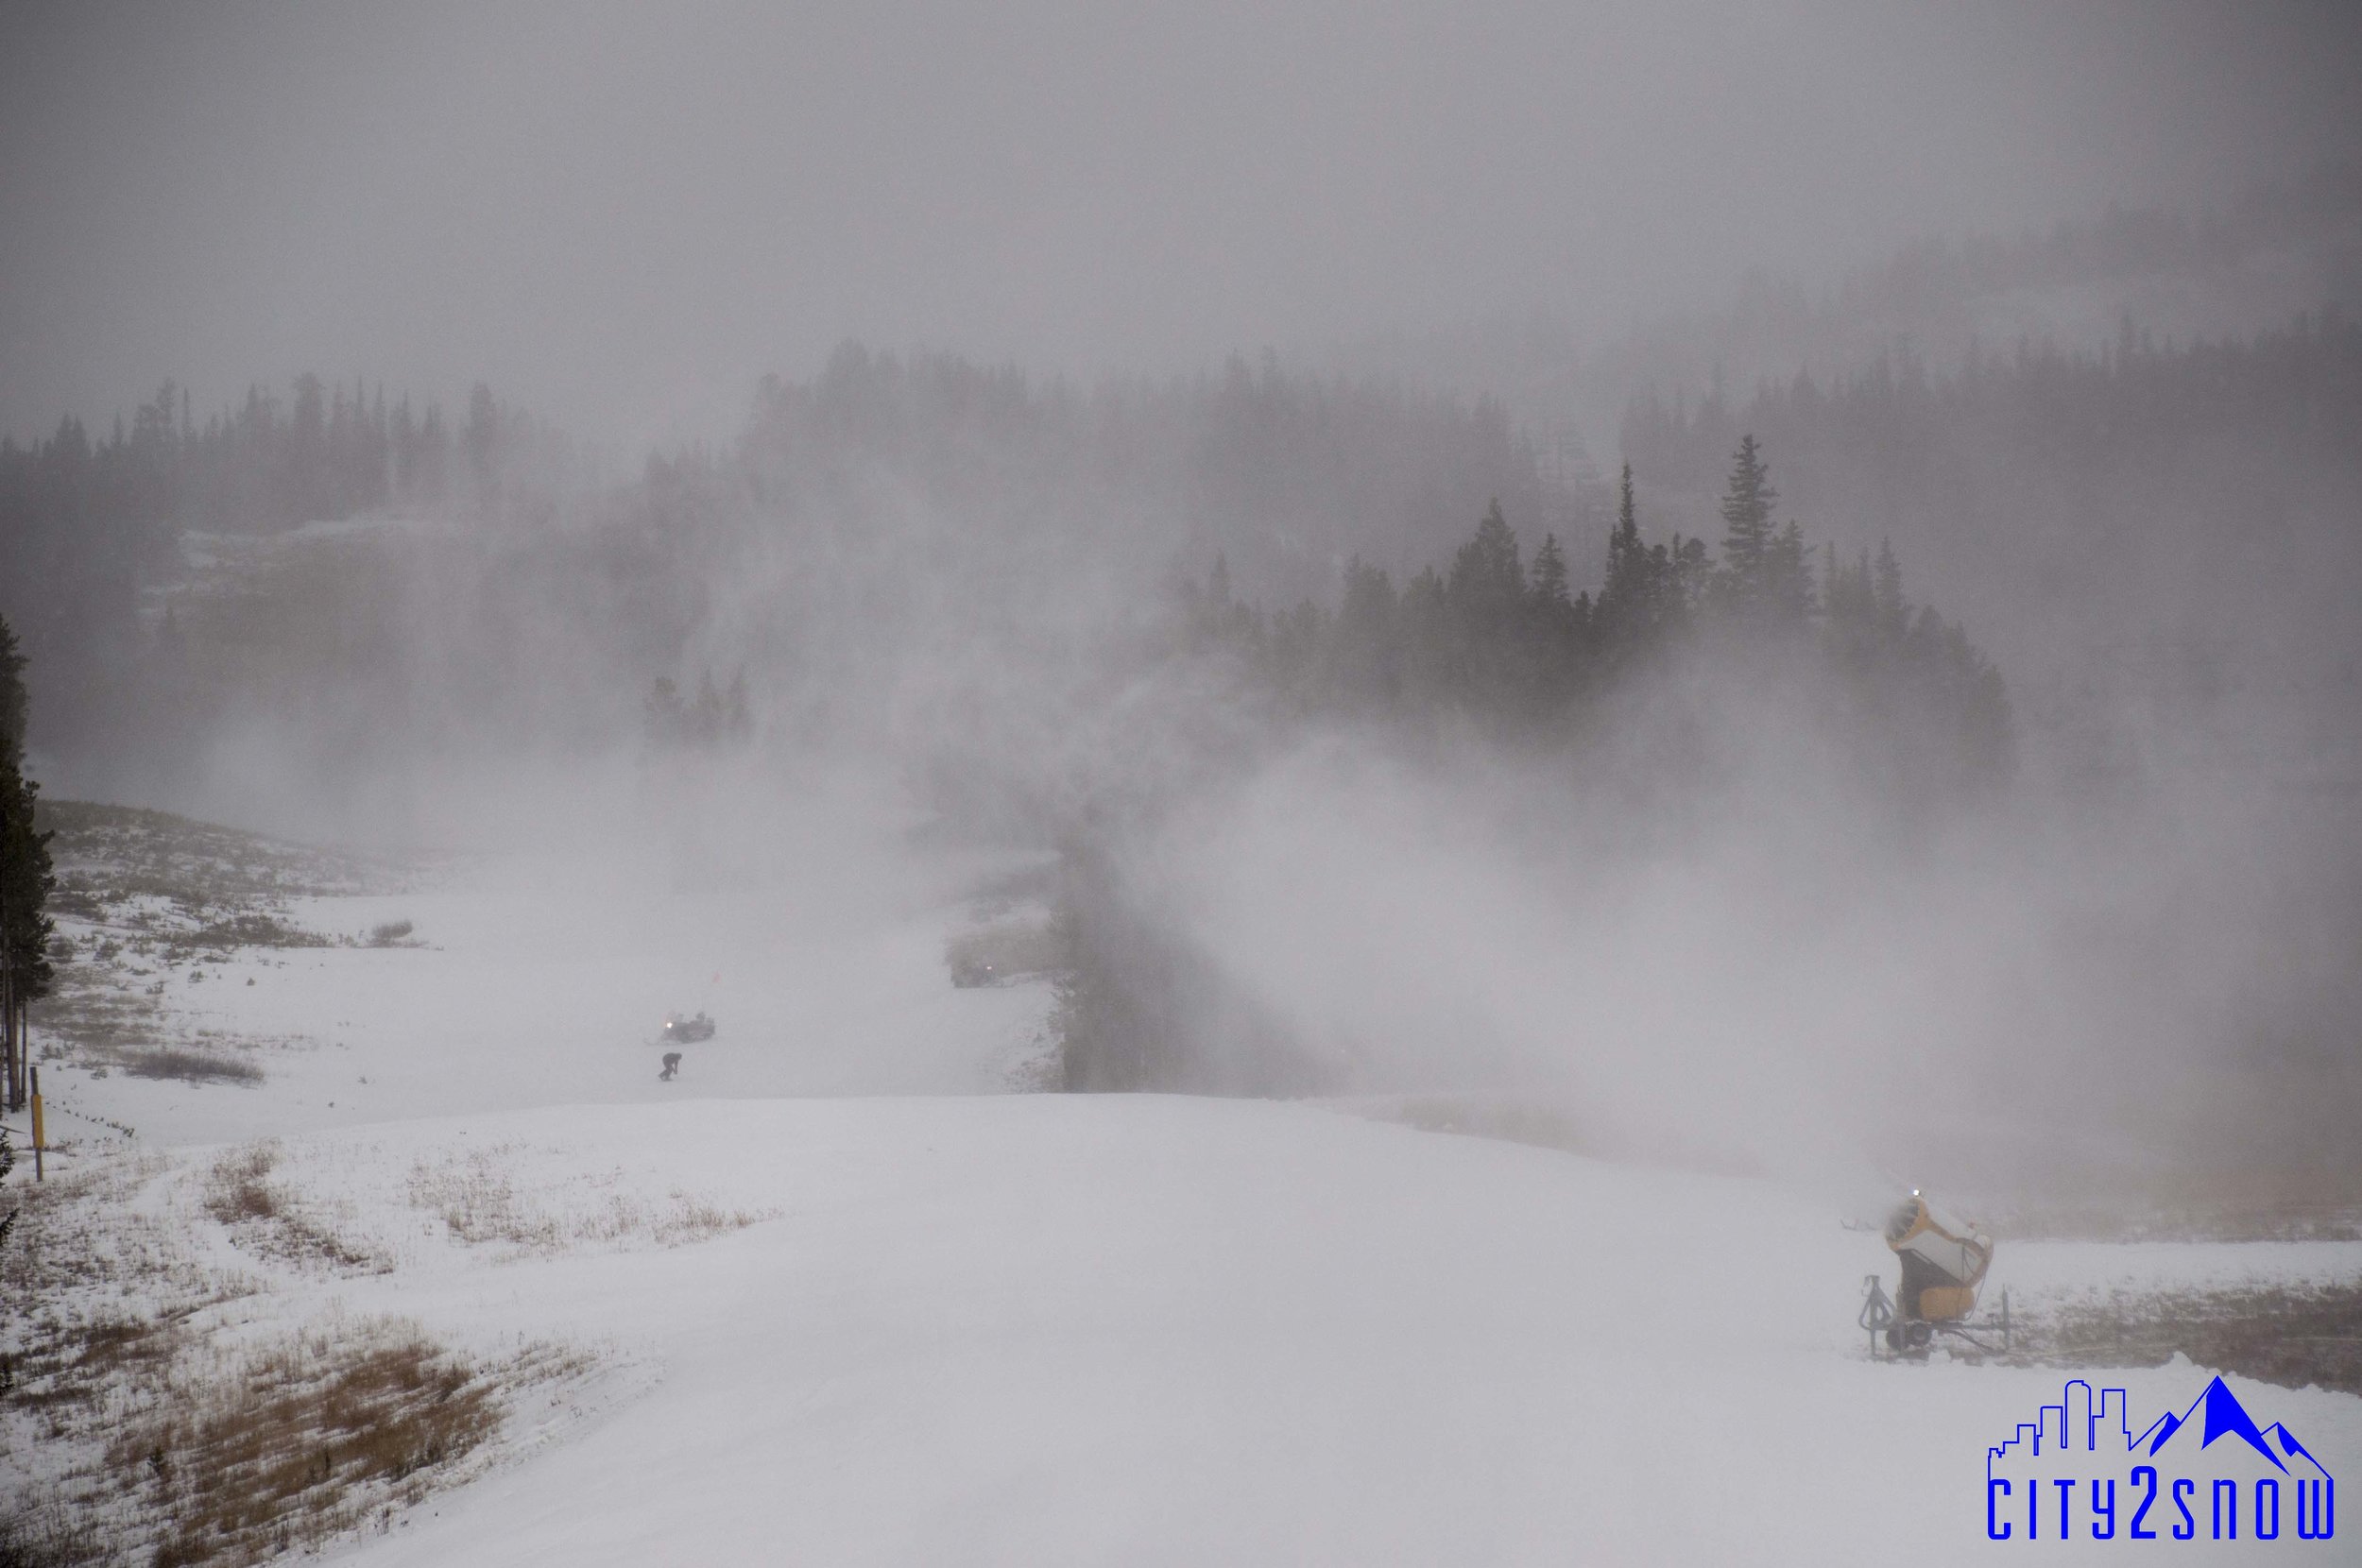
column 153, row 1427
column 191, row 1067
column 2287, row 1335
column 41, row 1536
column 239, row 1188
column 293, row 1443
column 141, row 895
column 478, row 1200
column 81, row 1250
column 270, row 1219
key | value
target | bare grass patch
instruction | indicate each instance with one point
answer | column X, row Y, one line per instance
column 43, row 1537
column 192, row 1066
column 272, row 1219
column 286, row 1445
column 393, row 933
column 148, row 902
column 153, row 1422
column 2291, row 1336
column 477, row 1197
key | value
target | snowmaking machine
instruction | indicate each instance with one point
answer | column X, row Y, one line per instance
column 1943, row 1261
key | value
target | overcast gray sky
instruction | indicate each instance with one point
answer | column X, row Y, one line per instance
column 621, row 215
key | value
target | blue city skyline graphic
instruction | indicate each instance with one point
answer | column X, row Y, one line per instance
column 2080, row 1469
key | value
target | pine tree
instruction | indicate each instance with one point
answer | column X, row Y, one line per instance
column 1747, row 538
column 26, row 880
column 1679, row 579
column 1550, row 576
column 15, row 705
column 1365, row 661
column 1486, row 575
column 1893, row 610
column 1626, row 562
column 1786, row 577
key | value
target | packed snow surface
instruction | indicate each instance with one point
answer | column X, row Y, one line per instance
column 1058, row 1329
column 990, row 1328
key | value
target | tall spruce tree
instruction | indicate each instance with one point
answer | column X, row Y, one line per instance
column 1627, row 561
column 1788, row 575
column 1487, row 577
column 26, row 879
column 1747, row 538
column 1550, row 576
column 15, row 705
column 1893, row 610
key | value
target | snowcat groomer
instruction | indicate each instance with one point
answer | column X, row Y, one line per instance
column 1944, row 1261
column 677, row 1028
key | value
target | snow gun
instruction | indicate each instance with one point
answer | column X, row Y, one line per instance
column 1943, row 1261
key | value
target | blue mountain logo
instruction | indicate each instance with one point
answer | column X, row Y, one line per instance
column 2078, row 1469
column 2225, row 1417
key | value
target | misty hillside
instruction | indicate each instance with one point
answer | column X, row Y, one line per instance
column 2227, row 271
column 481, row 597
column 2169, row 525
column 2224, row 271
column 1057, row 784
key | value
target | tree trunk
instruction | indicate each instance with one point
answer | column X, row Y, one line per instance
column 7, row 975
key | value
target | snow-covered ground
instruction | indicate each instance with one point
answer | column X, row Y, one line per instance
column 531, row 990
column 926, row 1323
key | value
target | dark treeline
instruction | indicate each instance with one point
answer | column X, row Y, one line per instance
column 1497, row 637
column 867, row 516
column 2277, row 250
column 1290, row 476
column 1922, row 279
column 26, row 881
column 1494, row 649
column 2145, row 505
column 327, row 452
column 1892, row 428
column 88, row 524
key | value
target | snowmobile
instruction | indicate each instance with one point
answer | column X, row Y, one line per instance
column 679, row 1029
column 1943, row 1267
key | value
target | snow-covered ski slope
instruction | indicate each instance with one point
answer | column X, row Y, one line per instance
column 967, row 1327
column 1049, row 1329
column 530, row 990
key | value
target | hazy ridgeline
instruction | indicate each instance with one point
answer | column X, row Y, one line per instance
column 866, row 529
column 2198, row 493
column 1732, row 854
column 2216, row 274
